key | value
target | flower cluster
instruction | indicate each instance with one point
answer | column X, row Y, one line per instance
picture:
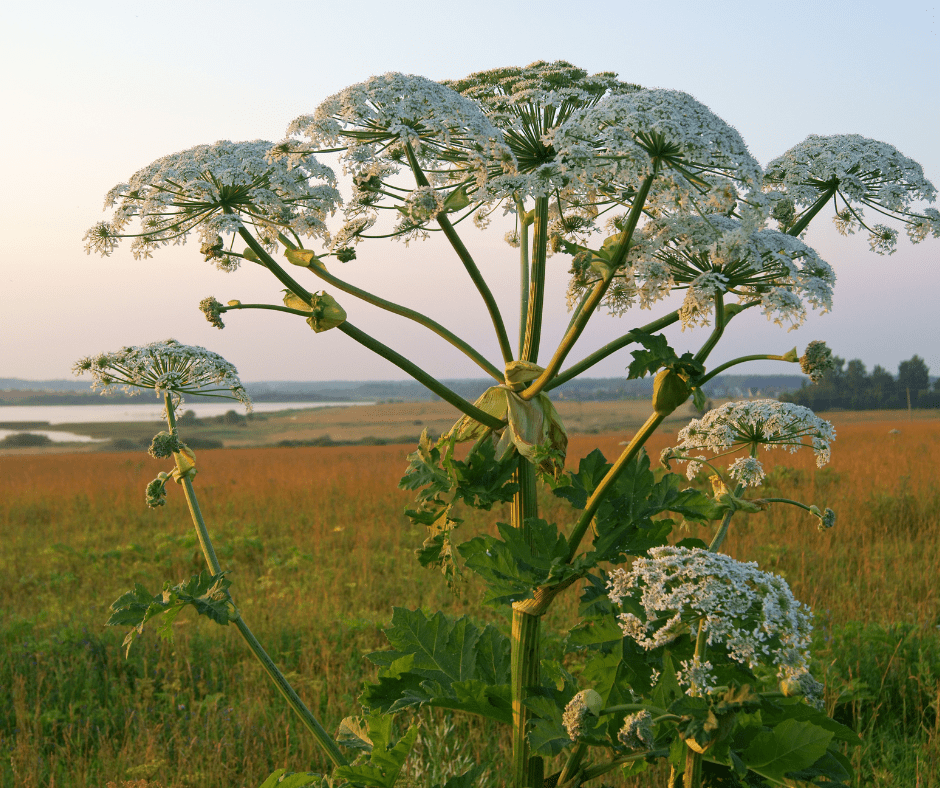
column 816, row 361
column 165, row 367
column 637, row 731
column 751, row 614
column 586, row 703
column 860, row 172
column 748, row 425
column 218, row 189
column 711, row 254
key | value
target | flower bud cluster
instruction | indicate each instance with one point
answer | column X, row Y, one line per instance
column 586, row 703
column 816, row 361
column 637, row 731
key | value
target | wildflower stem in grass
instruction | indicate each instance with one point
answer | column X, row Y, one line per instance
column 205, row 542
column 597, row 497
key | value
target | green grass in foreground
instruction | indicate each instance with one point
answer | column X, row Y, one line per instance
column 316, row 571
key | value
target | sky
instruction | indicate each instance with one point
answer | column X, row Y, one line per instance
column 94, row 91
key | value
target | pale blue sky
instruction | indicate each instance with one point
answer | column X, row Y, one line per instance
column 94, row 91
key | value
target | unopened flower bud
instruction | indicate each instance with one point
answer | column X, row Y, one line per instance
column 345, row 254
column 670, row 390
column 637, row 731
column 816, row 361
column 327, row 313
column 164, row 444
column 587, row 702
column 212, row 310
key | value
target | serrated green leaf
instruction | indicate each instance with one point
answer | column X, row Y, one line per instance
column 789, row 747
column 591, row 471
column 353, row 732
column 442, row 662
column 205, row 592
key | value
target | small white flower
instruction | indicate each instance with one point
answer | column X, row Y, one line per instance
column 748, row 471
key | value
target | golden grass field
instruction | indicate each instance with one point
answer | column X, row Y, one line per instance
column 320, row 552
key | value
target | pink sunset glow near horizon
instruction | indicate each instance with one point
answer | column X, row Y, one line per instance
column 93, row 92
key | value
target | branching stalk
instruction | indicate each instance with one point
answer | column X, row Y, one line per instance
column 411, row 314
column 597, row 294
column 594, row 502
column 536, row 299
column 293, row 699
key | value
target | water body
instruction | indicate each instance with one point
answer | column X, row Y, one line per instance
column 34, row 418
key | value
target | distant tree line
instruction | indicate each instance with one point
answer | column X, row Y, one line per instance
column 850, row 386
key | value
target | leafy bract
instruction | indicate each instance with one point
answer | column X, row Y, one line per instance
column 519, row 561
column 205, row 592
column 386, row 756
column 443, row 662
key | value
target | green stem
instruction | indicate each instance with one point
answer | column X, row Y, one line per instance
column 590, row 509
column 722, row 531
column 467, row 259
column 570, row 769
column 527, row 769
column 608, row 349
column 523, row 272
column 740, row 360
column 692, row 778
column 604, row 768
column 420, row 375
column 533, row 334
column 271, row 264
column 597, row 294
column 720, row 323
column 293, row 699
column 811, row 212
column 411, row 314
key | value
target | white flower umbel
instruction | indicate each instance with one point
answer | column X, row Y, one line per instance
column 217, row 189
column 165, row 367
column 373, row 121
column 747, row 471
column 714, row 253
column 616, row 141
column 751, row 614
column 749, row 425
column 529, row 104
column 857, row 173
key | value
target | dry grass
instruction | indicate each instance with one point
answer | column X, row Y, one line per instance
column 320, row 552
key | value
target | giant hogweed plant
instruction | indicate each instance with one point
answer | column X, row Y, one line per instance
column 680, row 652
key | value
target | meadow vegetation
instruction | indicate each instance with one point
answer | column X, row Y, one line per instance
column 327, row 521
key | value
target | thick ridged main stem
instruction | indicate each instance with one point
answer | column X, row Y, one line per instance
column 527, row 770
column 287, row 691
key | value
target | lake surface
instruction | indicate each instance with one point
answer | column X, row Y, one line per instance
column 142, row 411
